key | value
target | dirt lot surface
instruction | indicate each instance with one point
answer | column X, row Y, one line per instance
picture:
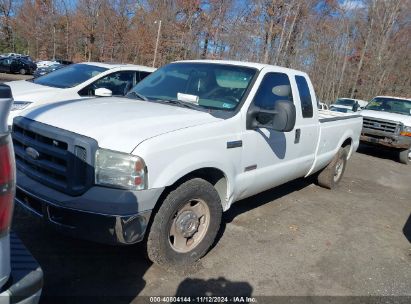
column 297, row 239
column 10, row 77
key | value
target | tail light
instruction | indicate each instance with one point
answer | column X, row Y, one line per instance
column 7, row 183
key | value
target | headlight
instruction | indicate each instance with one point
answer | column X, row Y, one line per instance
column 120, row 170
column 406, row 131
column 19, row 105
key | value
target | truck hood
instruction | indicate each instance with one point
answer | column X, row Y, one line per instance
column 405, row 119
column 118, row 124
column 29, row 91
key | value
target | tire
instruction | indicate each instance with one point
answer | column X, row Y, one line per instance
column 22, row 71
column 405, row 156
column 331, row 175
column 166, row 244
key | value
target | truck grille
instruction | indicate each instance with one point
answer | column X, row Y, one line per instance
column 386, row 126
column 54, row 157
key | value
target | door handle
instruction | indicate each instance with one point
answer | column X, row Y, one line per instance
column 297, row 136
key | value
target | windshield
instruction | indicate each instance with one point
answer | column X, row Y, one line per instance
column 345, row 102
column 69, row 76
column 386, row 104
column 211, row 86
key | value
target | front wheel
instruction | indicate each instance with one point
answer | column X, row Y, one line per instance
column 331, row 175
column 405, row 156
column 23, row 71
column 186, row 224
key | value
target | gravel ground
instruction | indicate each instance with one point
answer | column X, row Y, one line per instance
column 10, row 77
column 294, row 240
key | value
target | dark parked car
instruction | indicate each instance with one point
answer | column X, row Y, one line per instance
column 26, row 57
column 45, row 70
column 65, row 62
column 17, row 65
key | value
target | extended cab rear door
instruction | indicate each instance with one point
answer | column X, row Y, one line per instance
column 273, row 157
column 307, row 123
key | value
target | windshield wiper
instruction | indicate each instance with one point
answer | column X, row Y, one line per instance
column 142, row 97
column 182, row 103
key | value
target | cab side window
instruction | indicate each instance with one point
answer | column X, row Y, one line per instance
column 305, row 97
column 119, row 83
column 141, row 75
column 274, row 87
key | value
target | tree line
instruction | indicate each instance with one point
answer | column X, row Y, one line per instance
column 350, row 48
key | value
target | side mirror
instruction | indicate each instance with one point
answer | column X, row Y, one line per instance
column 281, row 118
column 103, row 92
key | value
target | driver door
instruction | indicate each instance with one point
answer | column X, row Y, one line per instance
column 270, row 156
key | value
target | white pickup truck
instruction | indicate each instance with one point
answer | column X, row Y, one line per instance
column 387, row 123
column 168, row 159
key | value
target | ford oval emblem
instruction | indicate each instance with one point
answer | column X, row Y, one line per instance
column 33, row 153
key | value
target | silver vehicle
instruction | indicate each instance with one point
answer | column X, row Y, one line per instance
column 21, row 278
column 348, row 105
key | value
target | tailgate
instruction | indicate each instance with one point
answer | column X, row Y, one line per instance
column 26, row 279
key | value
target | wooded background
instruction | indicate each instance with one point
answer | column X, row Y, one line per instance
column 350, row 48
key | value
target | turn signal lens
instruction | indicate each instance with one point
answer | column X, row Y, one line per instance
column 406, row 131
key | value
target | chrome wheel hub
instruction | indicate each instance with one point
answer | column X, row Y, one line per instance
column 338, row 169
column 187, row 223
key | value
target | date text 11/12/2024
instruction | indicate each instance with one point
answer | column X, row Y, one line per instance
column 203, row 299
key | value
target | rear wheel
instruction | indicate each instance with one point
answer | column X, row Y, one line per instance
column 331, row 175
column 186, row 224
column 23, row 71
column 405, row 156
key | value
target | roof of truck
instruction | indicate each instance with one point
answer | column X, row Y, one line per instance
column 255, row 65
column 120, row 65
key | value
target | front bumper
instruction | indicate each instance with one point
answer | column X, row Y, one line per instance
column 26, row 279
column 384, row 139
column 104, row 215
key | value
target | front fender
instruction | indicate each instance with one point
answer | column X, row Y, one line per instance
column 186, row 163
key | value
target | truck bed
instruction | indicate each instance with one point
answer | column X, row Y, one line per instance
column 335, row 128
column 327, row 115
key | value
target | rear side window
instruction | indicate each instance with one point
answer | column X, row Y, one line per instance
column 274, row 87
column 305, row 96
